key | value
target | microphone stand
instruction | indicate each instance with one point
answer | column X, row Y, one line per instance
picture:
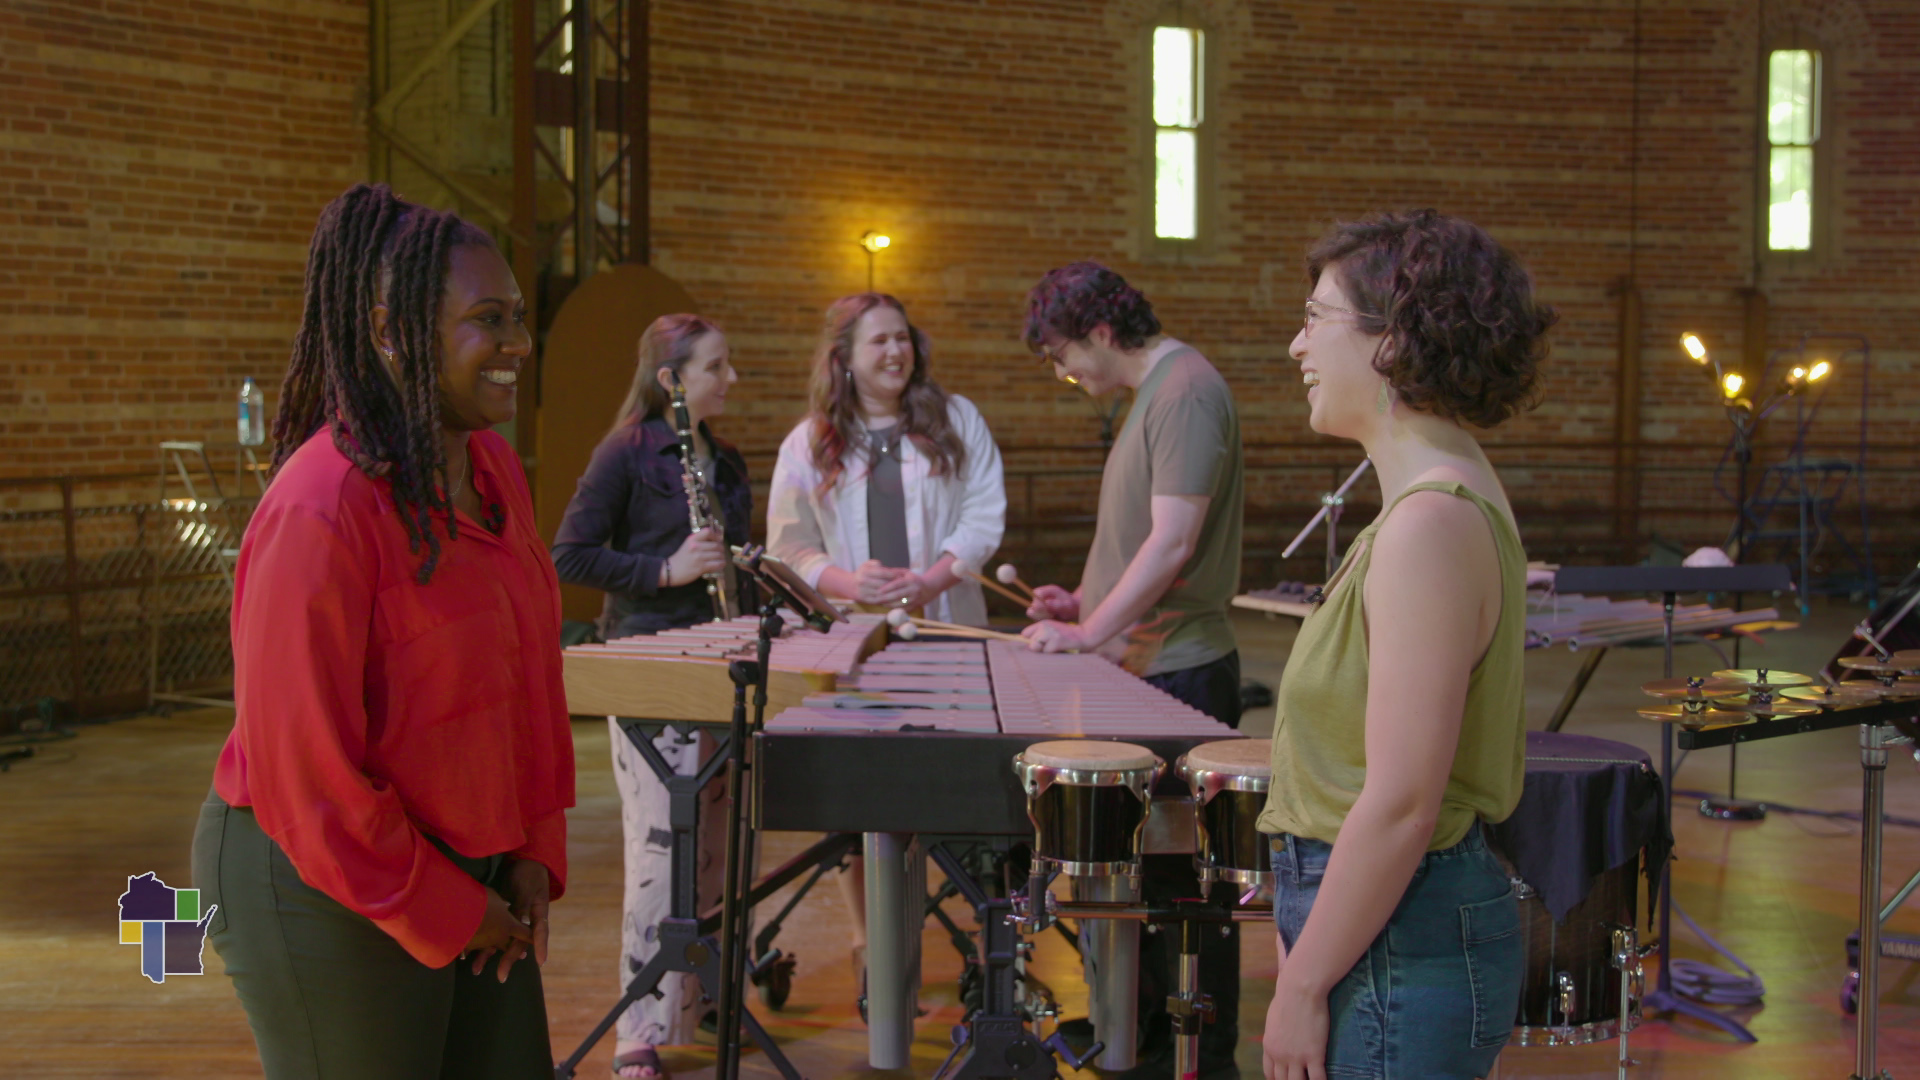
column 1330, row 508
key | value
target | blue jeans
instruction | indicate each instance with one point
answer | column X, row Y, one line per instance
column 1437, row 992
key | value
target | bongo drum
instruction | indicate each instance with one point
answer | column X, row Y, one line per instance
column 1088, row 800
column 1229, row 780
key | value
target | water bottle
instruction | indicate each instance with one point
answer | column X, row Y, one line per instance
column 253, row 428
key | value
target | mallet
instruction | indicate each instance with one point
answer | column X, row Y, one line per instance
column 1009, row 576
column 968, row 570
column 907, row 627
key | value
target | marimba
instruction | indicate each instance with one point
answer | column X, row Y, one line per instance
column 893, row 740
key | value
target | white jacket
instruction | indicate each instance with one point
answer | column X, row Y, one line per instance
column 964, row 514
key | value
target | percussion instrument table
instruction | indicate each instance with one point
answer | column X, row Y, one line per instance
column 919, row 741
column 1592, row 624
column 1876, row 723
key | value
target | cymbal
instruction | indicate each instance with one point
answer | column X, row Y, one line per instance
column 1838, row 696
column 1763, row 678
column 1873, row 665
column 1760, row 706
column 1692, row 689
column 1694, row 719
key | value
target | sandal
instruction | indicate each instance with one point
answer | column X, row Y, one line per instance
column 645, row 1059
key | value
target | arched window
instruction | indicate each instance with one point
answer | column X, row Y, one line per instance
column 1793, row 138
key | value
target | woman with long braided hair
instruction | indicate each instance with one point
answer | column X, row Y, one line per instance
column 388, row 816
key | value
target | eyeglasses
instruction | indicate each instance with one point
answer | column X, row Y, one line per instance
column 1318, row 310
column 1050, row 355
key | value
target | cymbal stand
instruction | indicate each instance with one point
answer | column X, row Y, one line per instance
column 1733, row 807
column 1663, row 999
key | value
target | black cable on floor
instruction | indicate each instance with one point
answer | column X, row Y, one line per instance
column 1831, row 815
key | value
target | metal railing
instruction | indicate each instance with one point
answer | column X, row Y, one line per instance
column 109, row 594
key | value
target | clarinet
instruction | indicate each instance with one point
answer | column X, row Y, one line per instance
column 726, row 605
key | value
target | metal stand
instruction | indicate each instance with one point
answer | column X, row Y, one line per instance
column 1874, row 740
column 683, row 947
column 1663, row 999
column 1331, row 505
column 729, row 1006
column 719, row 963
column 1189, row 1007
column 1734, row 808
column 1113, row 975
column 995, row 1039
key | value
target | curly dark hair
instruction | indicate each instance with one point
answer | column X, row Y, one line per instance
column 372, row 247
column 1073, row 299
column 1464, row 336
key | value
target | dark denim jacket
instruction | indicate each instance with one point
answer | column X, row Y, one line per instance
column 630, row 514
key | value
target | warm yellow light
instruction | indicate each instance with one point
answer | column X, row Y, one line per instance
column 1731, row 384
column 874, row 241
column 1820, row 370
column 1695, row 347
column 1798, row 373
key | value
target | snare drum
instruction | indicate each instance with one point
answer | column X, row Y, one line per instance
column 1229, row 780
column 1088, row 800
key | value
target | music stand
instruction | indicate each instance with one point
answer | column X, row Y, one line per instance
column 783, row 587
column 1670, row 582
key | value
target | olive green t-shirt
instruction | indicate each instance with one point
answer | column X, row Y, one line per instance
column 1320, row 720
column 1182, row 437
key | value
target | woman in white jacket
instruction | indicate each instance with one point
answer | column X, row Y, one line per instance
column 885, row 485
column 889, row 480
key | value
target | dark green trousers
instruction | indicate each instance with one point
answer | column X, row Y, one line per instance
column 331, row 997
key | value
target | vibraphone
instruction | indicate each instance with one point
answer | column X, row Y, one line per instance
column 920, row 742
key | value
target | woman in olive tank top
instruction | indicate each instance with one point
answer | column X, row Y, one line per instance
column 1400, row 725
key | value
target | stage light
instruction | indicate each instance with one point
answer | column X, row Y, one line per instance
column 875, row 241
column 1730, row 385
column 1820, row 370
column 1796, row 374
column 1695, row 347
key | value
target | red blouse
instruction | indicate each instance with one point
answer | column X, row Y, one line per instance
column 374, row 711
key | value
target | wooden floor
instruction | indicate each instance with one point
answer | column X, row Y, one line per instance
column 121, row 799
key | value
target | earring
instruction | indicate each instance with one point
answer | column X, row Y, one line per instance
column 1384, row 402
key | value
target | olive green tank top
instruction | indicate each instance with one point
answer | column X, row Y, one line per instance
column 1319, row 728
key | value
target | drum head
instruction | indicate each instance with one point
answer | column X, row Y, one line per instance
column 1089, row 755
column 1237, row 757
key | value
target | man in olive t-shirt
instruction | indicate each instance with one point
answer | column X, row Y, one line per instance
column 1163, row 568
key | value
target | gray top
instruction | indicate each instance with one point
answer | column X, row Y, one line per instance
column 886, row 499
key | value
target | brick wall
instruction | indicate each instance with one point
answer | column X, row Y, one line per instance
column 993, row 141
column 161, row 166
column 163, row 163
